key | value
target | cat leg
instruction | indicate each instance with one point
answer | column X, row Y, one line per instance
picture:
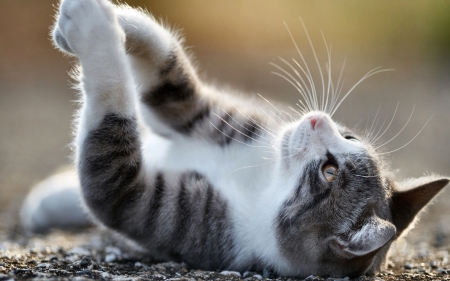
column 174, row 101
column 107, row 141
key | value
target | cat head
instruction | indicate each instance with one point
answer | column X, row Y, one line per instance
column 345, row 207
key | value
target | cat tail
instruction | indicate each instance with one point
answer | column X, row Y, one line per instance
column 54, row 203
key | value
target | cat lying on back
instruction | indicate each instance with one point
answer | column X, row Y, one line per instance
column 325, row 203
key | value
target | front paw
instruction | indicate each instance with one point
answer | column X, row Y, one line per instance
column 87, row 27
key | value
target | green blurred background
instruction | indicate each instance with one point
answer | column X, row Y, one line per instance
column 233, row 42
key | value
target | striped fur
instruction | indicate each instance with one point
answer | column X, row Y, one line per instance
column 181, row 191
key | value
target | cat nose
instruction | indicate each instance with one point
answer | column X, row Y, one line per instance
column 313, row 122
column 316, row 119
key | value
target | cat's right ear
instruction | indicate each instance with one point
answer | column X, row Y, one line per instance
column 411, row 196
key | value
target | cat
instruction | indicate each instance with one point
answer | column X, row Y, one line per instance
column 175, row 165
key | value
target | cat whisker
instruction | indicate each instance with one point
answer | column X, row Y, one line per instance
column 239, row 130
column 254, row 146
column 374, row 122
column 294, row 83
column 264, row 158
column 399, row 132
column 378, row 131
column 315, row 57
column 252, row 166
column 368, row 74
column 423, row 127
column 232, row 118
column 385, row 130
column 270, row 117
column 299, row 114
column 308, row 76
column 260, row 125
column 271, row 104
column 339, row 86
column 306, row 93
column 328, row 69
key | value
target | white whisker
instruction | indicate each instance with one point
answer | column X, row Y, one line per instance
column 407, row 122
column 308, row 76
column 410, row 140
column 315, row 57
column 232, row 118
column 254, row 146
column 368, row 74
column 392, row 119
column 239, row 131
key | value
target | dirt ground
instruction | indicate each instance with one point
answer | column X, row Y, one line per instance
column 93, row 254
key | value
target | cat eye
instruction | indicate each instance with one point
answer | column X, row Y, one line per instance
column 350, row 138
column 329, row 172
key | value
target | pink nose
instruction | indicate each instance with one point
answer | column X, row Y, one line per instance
column 313, row 122
column 317, row 119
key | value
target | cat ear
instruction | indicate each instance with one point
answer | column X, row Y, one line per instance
column 412, row 197
column 365, row 242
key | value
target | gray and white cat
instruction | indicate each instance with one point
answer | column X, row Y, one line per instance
column 160, row 157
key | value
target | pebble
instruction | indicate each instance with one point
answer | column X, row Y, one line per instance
column 235, row 273
column 442, row 271
column 43, row 265
column 434, row 264
column 79, row 251
column 409, row 265
column 86, row 263
column 110, row 258
column 113, row 250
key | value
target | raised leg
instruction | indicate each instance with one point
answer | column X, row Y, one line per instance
column 107, row 141
column 174, row 102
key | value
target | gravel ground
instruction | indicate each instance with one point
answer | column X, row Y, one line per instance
column 95, row 254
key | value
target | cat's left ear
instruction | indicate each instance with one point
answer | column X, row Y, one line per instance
column 411, row 196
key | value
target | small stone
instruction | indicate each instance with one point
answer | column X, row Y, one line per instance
column 43, row 265
column 110, row 258
column 235, row 273
column 434, row 264
column 442, row 271
column 409, row 265
column 113, row 250
column 257, row 276
column 86, row 263
column 138, row 265
column 79, row 251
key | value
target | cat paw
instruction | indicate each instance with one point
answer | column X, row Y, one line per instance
column 87, row 27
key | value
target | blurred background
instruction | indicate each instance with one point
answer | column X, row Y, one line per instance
column 234, row 41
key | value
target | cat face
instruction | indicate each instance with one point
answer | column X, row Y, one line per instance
column 339, row 218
